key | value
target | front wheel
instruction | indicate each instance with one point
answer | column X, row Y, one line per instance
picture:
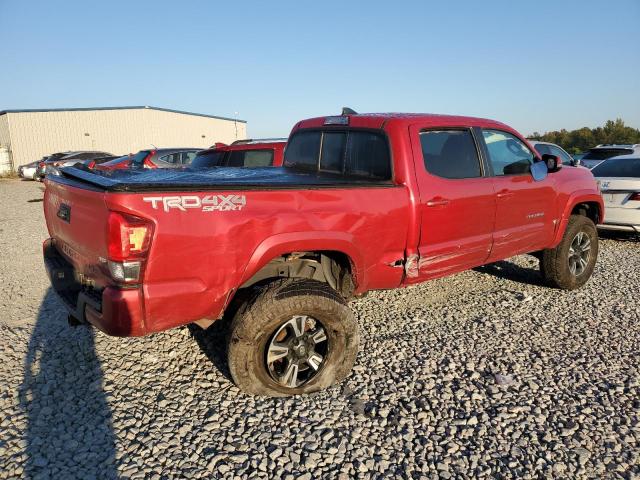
column 296, row 336
column 571, row 263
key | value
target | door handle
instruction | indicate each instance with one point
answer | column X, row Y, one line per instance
column 437, row 201
column 504, row 193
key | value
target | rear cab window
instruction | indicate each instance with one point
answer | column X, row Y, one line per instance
column 352, row 153
column 450, row 153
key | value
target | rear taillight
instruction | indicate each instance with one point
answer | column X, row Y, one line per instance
column 635, row 196
column 91, row 164
column 41, row 165
column 129, row 238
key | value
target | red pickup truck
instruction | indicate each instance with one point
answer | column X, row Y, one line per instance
column 363, row 202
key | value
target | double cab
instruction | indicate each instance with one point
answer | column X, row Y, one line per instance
column 362, row 202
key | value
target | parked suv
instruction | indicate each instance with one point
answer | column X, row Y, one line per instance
column 267, row 152
column 600, row 153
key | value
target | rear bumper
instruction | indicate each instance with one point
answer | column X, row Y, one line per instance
column 115, row 311
column 617, row 218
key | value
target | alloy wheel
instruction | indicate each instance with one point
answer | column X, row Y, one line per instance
column 296, row 351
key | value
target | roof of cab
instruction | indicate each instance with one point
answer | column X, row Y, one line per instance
column 379, row 120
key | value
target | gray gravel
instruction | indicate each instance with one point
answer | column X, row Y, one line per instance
column 484, row 374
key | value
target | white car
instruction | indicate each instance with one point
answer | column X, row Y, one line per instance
column 28, row 171
column 600, row 153
column 619, row 181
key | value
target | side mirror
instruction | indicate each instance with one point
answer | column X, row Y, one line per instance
column 553, row 162
column 539, row 171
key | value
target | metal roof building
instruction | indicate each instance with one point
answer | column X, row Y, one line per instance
column 31, row 134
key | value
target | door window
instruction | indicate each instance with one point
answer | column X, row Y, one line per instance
column 172, row 158
column 564, row 156
column 187, row 157
column 450, row 154
column 508, row 155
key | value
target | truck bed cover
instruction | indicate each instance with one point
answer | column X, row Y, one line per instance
column 208, row 179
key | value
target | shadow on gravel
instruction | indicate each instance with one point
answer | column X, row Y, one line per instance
column 35, row 200
column 69, row 431
column 619, row 236
column 213, row 343
column 511, row 271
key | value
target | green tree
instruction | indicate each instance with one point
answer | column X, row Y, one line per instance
column 576, row 141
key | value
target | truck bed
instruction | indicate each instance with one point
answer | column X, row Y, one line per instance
column 206, row 243
column 167, row 180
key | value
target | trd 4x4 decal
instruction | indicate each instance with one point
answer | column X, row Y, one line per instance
column 208, row 203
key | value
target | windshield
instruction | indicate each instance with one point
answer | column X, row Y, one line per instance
column 207, row 159
column 618, row 167
column 604, row 153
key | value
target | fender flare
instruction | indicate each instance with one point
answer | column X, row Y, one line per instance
column 577, row 197
column 283, row 243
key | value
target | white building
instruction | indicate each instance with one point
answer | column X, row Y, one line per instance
column 31, row 134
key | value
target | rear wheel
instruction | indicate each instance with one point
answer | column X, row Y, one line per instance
column 571, row 263
column 296, row 336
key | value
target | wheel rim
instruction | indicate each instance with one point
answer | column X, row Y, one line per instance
column 296, row 351
column 579, row 254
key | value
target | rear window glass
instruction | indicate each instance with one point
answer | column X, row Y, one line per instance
column 618, row 167
column 354, row 153
column 250, row 158
column 207, row 160
column 303, row 150
column 604, row 153
column 450, row 154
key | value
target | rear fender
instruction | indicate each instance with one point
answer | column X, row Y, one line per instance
column 577, row 197
column 281, row 244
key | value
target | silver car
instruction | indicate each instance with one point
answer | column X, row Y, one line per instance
column 553, row 149
column 619, row 181
column 598, row 154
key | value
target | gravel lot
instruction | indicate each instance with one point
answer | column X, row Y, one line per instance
column 484, row 374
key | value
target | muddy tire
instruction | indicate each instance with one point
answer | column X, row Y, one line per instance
column 571, row 263
column 294, row 336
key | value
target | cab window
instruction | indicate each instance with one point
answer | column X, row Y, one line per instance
column 450, row 154
column 508, row 155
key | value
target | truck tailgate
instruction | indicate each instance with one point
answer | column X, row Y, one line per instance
column 77, row 219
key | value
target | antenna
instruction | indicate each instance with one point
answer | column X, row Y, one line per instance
column 348, row 111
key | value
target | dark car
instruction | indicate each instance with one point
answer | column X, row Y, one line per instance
column 152, row 158
column 65, row 159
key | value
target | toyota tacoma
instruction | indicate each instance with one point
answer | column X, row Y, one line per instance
column 363, row 202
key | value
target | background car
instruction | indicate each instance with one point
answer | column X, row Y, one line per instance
column 152, row 158
column 29, row 170
column 553, row 149
column 619, row 180
column 600, row 153
column 65, row 159
column 266, row 152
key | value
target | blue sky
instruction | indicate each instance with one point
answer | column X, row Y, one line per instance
column 539, row 65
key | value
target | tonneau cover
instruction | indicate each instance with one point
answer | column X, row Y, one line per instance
column 132, row 180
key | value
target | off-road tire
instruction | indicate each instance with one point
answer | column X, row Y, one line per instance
column 554, row 263
column 270, row 307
